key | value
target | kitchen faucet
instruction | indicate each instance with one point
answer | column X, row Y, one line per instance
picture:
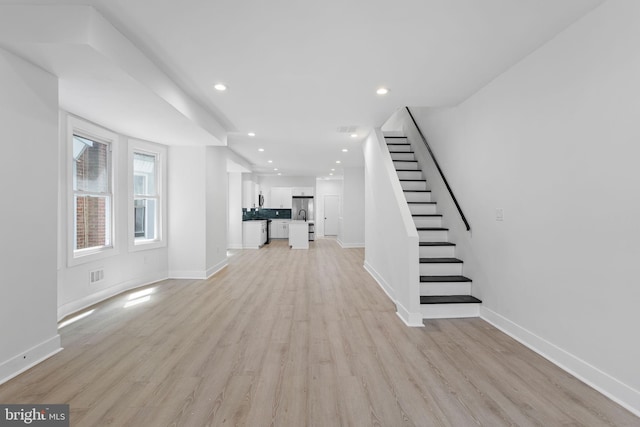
column 304, row 215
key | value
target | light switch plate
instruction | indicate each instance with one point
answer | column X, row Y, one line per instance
column 499, row 214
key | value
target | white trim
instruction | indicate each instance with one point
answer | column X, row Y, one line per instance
column 381, row 282
column 410, row 319
column 82, row 303
column 188, row 274
column 413, row 320
column 350, row 245
column 27, row 359
column 100, row 134
column 611, row 387
column 236, row 246
column 216, row 268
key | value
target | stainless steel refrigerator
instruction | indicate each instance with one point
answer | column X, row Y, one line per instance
column 302, row 208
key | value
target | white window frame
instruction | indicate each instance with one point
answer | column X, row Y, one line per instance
column 160, row 153
column 77, row 126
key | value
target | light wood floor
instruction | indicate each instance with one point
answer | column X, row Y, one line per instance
column 296, row 338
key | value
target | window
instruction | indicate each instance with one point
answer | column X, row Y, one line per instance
column 145, row 196
column 92, row 195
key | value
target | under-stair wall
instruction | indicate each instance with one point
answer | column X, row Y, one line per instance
column 391, row 239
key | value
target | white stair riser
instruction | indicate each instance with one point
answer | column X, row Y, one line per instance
column 402, row 156
column 406, row 165
column 397, row 146
column 435, row 221
column 410, row 174
column 437, row 251
column 457, row 288
column 413, row 185
column 433, row 235
column 441, row 269
column 451, row 311
column 426, row 209
column 417, row 197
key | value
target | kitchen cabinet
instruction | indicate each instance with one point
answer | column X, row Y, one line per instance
column 299, row 235
column 254, row 234
column 302, row 191
column 280, row 198
column 280, row 228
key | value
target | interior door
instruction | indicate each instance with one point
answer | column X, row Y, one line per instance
column 331, row 214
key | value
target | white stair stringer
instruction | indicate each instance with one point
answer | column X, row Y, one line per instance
column 444, row 291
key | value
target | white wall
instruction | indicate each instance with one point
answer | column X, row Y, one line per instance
column 326, row 187
column 124, row 269
column 234, row 219
column 352, row 225
column 187, row 212
column 28, row 243
column 217, row 208
column 198, row 186
column 555, row 142
column 391, row 239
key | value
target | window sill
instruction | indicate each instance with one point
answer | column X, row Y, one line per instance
column 145, row 245
column 82, row 257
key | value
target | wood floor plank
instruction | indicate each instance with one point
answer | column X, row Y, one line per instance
column 297, row 338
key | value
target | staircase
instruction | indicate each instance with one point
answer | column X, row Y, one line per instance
column 444, row 291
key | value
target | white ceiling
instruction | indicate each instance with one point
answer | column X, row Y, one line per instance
column 298, row 70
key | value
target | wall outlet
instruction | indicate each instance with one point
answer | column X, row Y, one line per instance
column 499, row 214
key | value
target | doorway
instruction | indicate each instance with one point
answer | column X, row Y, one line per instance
column 331, row 215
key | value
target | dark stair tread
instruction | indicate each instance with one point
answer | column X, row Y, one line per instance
column 412, row 161
column 421, row 203
column 449, row 299
column 427, row 215
column 414, row 180
column 417, row 191
column 401, row 152
column 409, row 170
column 432, row 228
column 395, row 137
column 436, row 244
column 440, row 279
column 440, row 261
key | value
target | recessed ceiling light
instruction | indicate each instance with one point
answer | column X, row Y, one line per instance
column 382, row 91
column 269, row 161
column 279, row 173
column 275, row 169
column 220, row 87
column 251, row 134
column 337, row 161
column 260, row 149
column 354, row 135
column 332, row 170
column 344, row 150
column 331, row 174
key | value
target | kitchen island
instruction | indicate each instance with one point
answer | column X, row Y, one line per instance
column 299, row 235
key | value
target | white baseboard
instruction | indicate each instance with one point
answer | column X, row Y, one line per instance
column 611, row 387
column 219, row 266
column 409, row 319
column 413, row 320
column 29, row 358
column 344, row 245
column 381, row 282
column 235, row 246
column 82, row 303
column 188, row 274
